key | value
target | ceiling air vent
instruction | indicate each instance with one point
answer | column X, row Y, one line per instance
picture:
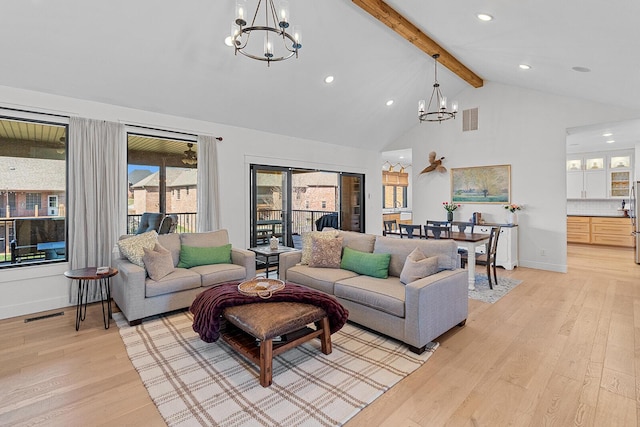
column 470, row 119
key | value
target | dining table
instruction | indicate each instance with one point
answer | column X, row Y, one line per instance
column 469, row 241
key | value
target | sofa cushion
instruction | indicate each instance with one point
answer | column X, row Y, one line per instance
column 206, row 239
column 193, row 256
column 321, row 279
column 325, row 253
column 417, row 266
column 133, row 247
column 358, row 241
column 171, row 242
column 386, row 295
column 374, row 265
column 214, row 274
column 180, row 279
column 158, row 262
column 306, row 242
column 445, row 249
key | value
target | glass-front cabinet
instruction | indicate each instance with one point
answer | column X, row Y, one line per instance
column 599, row 175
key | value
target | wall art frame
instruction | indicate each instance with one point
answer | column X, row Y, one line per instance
column 481, row 184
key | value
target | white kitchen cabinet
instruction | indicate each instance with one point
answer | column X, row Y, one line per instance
column 586, row 177
column 507, row 254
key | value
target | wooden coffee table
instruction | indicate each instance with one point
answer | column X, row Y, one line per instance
column 251, row 330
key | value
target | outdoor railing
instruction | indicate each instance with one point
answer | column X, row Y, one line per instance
column 186, row 222
column 301, row 220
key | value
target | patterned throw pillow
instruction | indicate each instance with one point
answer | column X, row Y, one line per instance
column 326, row 253
column 306, row 242
column 133, row 247
column 158, row 262
column 418, row 266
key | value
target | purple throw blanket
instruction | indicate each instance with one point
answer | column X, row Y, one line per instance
column 208, row 306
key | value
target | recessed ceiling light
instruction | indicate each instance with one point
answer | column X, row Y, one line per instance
column 390, row 103
column 607, row 134
column 610, row 141
column 581, row 69
column 227, row 41
column 484, row 17
column 524, row 67
column 328, row 79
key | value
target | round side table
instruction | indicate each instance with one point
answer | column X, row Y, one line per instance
column 84, row 276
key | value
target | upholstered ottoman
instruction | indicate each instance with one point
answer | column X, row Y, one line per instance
column 265, row 321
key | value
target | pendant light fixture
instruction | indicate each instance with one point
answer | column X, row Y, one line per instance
column 190, row 157
column 278, row 42
column 439, row 112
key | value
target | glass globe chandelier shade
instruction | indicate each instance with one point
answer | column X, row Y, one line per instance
column 439, row 112
column 279, row 43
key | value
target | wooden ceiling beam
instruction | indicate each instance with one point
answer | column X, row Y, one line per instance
column 398, row 23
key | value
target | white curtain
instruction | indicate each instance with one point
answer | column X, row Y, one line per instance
column 208, row 203
column 97, row 193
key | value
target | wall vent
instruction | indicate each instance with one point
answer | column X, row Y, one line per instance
column 46, row 316
column 470, row 119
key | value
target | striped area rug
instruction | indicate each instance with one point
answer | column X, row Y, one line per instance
column 196, row 383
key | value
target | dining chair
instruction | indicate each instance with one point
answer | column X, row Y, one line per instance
column 437, row 231
column 463, row 226
column 440, row 223
column 409, row 230
column 489, row 257
column 389, row 226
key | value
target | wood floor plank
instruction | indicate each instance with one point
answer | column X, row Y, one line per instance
column 559, row 349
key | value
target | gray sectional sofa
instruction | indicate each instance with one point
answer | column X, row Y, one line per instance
column 415, row 313
column 138, row 296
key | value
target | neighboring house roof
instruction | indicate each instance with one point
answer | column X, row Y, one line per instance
column 138, row 174
column 28, row 174
column 188, row 178
column 175, row 178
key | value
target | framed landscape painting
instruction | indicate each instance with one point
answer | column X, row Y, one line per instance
column 481, row 184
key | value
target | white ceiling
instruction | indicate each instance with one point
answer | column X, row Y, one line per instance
column 169, row 57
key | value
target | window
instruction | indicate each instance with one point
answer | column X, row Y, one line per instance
column 159, row 167
column 33, row 201
column 394, row 196
column 33, row 170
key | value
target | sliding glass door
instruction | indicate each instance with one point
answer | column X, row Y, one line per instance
column 287, row 201
column 270, row 189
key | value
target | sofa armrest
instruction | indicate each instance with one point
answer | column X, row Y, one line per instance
column 128, row 288
column 246, row 259
column 435, row 304
column 286, row 261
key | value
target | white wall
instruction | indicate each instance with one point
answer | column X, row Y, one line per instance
column 26, row 290
column 520, row 127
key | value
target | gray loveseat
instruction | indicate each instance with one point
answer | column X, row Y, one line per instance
column 138, row 296
column 414, row 313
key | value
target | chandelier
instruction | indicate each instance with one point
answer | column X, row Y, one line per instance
column 439, row 111
column 190, row 157
column 273, row 31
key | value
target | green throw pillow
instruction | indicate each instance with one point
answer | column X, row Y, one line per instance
column 192, row 256
column 374, row 265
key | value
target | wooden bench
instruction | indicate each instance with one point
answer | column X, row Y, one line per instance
column 252, row 330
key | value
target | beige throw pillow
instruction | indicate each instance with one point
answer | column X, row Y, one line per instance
column 418, row 266
column 158, row 262
column 306, row 242
column 133, row 247
column 326, row 253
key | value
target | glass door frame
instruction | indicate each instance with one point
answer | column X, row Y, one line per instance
column 285, row 213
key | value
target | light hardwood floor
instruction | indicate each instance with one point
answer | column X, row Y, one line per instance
column 558, row 350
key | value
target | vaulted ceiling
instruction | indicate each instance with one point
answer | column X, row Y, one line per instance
column 169, row 57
